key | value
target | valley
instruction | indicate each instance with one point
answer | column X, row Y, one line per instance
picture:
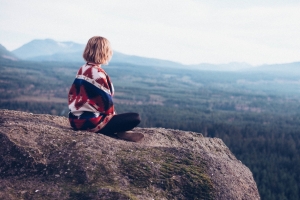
column 256, row 111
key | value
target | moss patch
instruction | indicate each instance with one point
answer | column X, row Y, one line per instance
column 138, row 173
column 175, row 172
column 184, row 178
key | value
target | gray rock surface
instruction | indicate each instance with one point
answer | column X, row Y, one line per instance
column 41, row 157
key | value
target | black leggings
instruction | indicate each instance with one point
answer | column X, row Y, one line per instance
column 120, row 123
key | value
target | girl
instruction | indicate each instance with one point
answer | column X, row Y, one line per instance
column 90, row 97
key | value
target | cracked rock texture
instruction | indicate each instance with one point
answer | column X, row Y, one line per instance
column 41, row 157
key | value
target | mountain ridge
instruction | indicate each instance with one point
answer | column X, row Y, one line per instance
column 7, row 55
column 44, row 47
column 50, row 50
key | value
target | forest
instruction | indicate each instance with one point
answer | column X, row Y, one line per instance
column 255, row 112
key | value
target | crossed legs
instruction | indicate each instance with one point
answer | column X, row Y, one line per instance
column 121, row 123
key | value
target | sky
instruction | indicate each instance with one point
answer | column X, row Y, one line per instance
column 186, row 31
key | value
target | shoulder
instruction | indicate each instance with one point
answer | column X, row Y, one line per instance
column 81, row 69
column 91, row 72
column 101, row 70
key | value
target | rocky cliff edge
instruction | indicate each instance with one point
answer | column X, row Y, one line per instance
column 41, row 157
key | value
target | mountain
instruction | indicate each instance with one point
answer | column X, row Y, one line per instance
column 288, row 70
column 51, row 50
column 46, row 47
column 60, row 57
column 284, row 67
column 5, row 54
column 233, row 66
column 143, row 61
column 40, row 156
column 118, row 58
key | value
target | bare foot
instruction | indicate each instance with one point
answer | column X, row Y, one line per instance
column 131, row 136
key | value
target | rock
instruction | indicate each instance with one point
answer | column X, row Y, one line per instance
column 41, row 157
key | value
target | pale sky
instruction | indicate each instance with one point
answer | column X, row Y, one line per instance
column 187, row 31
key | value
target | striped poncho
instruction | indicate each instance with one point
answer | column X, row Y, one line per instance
column 90, row 99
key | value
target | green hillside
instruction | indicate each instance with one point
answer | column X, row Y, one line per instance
column 256, row 113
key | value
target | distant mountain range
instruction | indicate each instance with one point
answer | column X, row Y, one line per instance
column 51, row 50
column 44, row 48
column 7, row 55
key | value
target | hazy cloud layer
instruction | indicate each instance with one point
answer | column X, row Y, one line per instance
column 187, row 31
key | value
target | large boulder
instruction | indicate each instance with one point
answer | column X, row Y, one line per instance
column 41, row 157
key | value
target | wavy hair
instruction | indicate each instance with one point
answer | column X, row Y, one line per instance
column 98, row 50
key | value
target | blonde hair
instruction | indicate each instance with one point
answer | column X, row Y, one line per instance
column 97, row 50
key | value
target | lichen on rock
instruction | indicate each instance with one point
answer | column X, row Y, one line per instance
column 41, row 157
